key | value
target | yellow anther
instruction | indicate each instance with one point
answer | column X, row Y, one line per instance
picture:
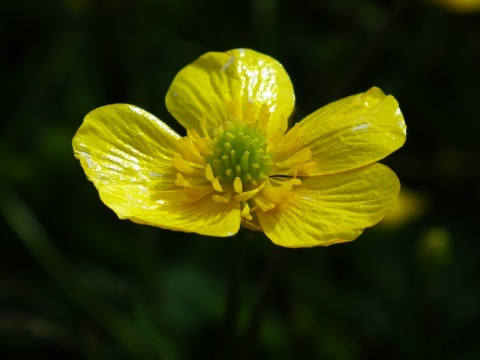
column 181, row 181
column 199, row 143
column 300, row 157
column 237, row 185
column 246, row 212
column 222, row 198
column 262, row 205
column 181, row 164
column 192, row 194
column 216, row 185
column 295, row 180
column 244, row 196
column 209, row 172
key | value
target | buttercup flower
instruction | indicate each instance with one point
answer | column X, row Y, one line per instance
column 315, row 184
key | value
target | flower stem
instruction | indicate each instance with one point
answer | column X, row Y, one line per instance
column 261, row 304
column 230, row 320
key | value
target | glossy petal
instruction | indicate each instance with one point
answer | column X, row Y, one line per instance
column 208, row 85
column 332, row 208
column 353, row 132
column 122, row 144
column 127, row 153
column 166, row 209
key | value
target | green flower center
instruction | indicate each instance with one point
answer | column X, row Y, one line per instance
column 240, row 151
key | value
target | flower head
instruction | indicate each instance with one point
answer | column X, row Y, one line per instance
column 316, row 184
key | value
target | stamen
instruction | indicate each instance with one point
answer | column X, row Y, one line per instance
column 300, row 157
column 246, row 212
column 209, row 173
column 237, row 185
column 262, row 205
column 216, row 185
column 248, row 194
column 199, row 142
column 181, row 181
column 183, row 165
column 222, row 198
column 193, row 194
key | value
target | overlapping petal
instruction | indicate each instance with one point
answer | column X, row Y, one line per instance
column 127, row 153
column 353, row 132
column 333, row 208
column 168, row 210
column 206, row 87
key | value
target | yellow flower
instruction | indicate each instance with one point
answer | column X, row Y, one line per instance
column 460, row 6
column 315, row 184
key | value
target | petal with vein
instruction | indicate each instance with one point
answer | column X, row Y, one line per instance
column 122, row 144
column 208, row 85
column 331, row 209
column 167, row 210
column 353, row 132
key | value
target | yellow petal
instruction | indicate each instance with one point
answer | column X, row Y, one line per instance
column 353, row 132
column 168, row 210
column 127, row 153
column 123, row 144
column 211, row 82
column 332, row 208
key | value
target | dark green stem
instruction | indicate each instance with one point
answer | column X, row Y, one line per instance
column 261, row 305
column 230, row 321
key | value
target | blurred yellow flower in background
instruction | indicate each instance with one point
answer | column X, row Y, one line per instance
column 318, row 183
column 460, row 6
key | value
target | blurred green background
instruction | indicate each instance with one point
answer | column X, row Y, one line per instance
column 77, row 283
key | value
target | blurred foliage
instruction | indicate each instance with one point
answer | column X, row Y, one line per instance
column 77, row 283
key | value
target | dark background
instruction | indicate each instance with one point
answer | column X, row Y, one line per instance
column 77, row 283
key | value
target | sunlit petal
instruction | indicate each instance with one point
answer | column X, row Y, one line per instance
column 125, row 145
column 169, row 210
column 333, row 208
column 210, row 83
column 353, row 132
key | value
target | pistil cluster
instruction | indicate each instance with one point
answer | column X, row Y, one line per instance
column 240, row 151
